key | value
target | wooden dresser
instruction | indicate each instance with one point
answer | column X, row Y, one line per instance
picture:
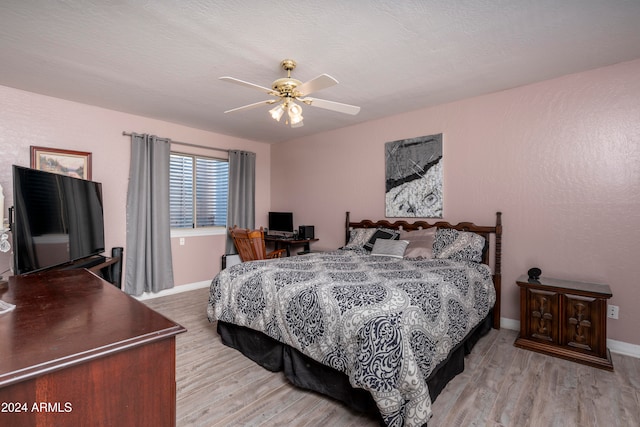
column 78, row 351
column 565, row 319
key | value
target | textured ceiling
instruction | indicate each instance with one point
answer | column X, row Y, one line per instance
column 162, row 59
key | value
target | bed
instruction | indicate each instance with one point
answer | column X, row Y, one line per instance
column 382, row 324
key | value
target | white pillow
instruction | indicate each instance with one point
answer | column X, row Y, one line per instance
column 387, row 247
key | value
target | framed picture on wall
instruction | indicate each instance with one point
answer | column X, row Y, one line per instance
column 65, row 162
column 414, row 177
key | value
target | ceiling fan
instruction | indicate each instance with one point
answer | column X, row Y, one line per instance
column 287, row 90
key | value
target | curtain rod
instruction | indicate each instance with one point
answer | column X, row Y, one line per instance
column 189, row 144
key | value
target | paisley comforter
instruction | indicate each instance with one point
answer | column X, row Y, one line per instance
column 385, row 322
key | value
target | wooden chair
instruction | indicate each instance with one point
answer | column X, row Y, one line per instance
column 250, row 244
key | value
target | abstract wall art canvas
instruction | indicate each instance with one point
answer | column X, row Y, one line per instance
column 414, row 177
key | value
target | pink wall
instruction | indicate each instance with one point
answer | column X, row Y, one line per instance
column 560, row 159
column 29, row 119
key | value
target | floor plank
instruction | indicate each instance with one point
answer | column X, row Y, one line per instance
column 501, row 386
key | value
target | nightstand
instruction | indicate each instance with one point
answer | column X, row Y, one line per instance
column 565, row 319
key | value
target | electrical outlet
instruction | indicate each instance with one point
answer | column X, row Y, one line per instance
column 182, row 241
column 612, row 311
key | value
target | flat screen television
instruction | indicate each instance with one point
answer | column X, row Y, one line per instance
column 57, row 219
column 280, row 222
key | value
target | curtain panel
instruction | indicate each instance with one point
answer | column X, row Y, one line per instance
column 149, row 265
column 241, row 210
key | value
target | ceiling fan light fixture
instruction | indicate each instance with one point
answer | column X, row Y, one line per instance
column 295, row 113
column 294, row 109
column 295, row 120
column 277, row 112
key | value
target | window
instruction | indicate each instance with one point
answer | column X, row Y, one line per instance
column 205, row 178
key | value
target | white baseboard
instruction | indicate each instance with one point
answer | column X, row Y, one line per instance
column 174, row 290
column 624, row 348
column 513, row 325
column 619, row 347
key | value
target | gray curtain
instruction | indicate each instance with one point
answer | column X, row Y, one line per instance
column 241, row 210
column 148, row 252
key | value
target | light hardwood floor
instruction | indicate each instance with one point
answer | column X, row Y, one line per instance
column 501, row 385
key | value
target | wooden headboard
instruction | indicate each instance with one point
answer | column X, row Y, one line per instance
column 485, row 231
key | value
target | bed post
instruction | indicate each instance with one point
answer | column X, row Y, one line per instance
column 497, row 276
column 346, row 227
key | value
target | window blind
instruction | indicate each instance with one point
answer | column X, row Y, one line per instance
column 198, row 191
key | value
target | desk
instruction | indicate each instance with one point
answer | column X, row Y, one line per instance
column 287, row 243
column 78, row 351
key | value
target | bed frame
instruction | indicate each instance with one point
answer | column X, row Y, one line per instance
column 484, row 231
column 306, row 373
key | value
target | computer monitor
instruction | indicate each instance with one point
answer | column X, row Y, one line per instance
column 280, row 222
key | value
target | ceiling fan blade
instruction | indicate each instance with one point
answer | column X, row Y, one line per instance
column 254, row 105
column 331, row 105
column 247, row 84
column 323, row 81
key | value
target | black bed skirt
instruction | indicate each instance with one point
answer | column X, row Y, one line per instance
column 304, row 372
